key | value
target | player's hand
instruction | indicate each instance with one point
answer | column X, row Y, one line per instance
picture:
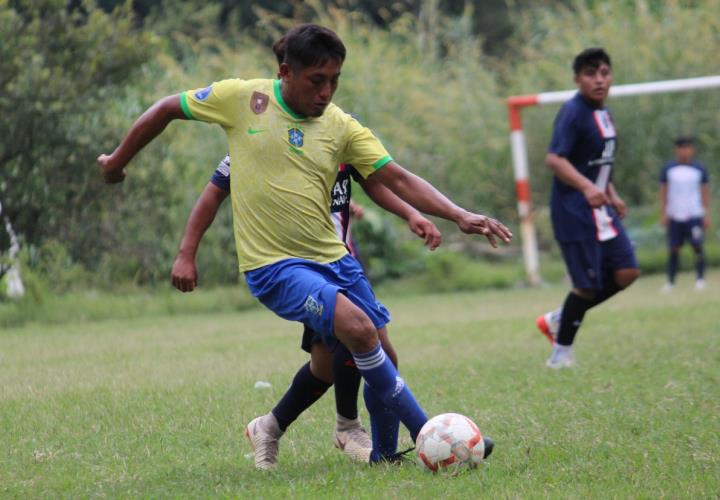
column 595, row 197
column 619, row 206
column 471, row 223
column 356, row 210
column 184, row 274
column 663, row 220
column 706, row 222
column 426, row 230
column 111, row 174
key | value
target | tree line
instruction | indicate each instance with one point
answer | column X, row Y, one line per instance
column 426, row 76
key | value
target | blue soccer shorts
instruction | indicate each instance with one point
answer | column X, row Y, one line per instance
column 590, row 263
column 691, row 230
column 306, row 291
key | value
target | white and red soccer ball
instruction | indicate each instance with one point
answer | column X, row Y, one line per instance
column 449, row 441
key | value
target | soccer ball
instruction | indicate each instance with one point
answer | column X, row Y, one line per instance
column 449, row 441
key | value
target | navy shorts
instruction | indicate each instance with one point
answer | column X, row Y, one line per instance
column 306, row 291
column 690, row 230
column 311, row 337
column 590, row 263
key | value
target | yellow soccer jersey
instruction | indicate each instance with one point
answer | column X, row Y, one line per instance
column 283, row 168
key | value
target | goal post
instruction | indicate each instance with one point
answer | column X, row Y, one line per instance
column 518, row 147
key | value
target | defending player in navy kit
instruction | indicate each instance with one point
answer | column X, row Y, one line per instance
column 684, row 209
column 585, row 207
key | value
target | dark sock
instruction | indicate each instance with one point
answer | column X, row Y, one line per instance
column 672, row 267
column 347, row 383
column 573, row 313
column 699, row 262
column 303, row 392
column 381, row 375
column 602, row 295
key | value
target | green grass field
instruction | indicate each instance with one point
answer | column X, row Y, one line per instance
column 155, row 406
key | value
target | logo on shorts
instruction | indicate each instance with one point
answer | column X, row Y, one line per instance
column 697, row 233
column 313, row 306
column 203, row 94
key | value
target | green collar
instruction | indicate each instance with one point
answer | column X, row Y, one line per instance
column 278, row 96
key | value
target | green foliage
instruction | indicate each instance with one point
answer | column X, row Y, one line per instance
column 73, row 79
column 61, row 69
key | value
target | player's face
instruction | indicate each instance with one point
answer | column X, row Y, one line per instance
column 594, row 82
column 684, row 154
column 308, row 91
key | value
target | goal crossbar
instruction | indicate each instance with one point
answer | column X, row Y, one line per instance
column 520, row 158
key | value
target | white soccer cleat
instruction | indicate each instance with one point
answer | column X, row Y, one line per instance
column 353, row 440
column 264, row 434
column 699, row 284
column 667, row 287
column 549, row 324
column 561, row 357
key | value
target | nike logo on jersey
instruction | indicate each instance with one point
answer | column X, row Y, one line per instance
column 252, row 131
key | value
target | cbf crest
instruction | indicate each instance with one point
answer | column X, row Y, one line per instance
column 296, row 137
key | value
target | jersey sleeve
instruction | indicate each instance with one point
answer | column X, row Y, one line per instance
column 565, row 132
column 705, row 175
column 363, row 150
column 218, row 103
column 664, row 174
column 221, row 176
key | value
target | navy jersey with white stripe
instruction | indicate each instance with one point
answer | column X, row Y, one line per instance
column 340, row 195
column 585, row 136
column 684, row 195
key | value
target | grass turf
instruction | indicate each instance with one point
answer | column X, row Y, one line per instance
column 155, row 406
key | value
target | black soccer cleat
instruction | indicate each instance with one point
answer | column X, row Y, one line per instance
column 489, row 445
column 396, row 458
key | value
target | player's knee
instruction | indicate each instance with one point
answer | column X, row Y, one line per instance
column 584, row 293
column 358, row 333
column 626, row 277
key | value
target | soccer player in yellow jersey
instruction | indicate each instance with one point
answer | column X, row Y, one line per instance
column 287, row 138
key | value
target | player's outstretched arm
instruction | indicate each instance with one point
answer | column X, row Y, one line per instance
column 568, row 174
column 184, row 271
column 388, row 200
column 150, row 124
column 420, row 194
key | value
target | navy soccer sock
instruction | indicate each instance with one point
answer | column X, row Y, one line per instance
column 382, row 377
column 573, row 312
column 305, row 389
column 699, row 262
column 384, row 425
column 601, row 296
column 347, row 383
column 672, row 266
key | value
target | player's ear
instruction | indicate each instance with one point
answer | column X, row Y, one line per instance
column 284, row 71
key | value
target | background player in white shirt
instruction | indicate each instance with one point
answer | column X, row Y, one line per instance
column 685, row 209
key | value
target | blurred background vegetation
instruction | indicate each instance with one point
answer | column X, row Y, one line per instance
column 428, row 76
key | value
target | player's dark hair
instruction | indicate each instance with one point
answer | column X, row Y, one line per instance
column 311, row 45
column 278, row 49
column 591, row 58
column 684, row 140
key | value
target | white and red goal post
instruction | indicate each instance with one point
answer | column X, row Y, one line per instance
column 520, row 157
